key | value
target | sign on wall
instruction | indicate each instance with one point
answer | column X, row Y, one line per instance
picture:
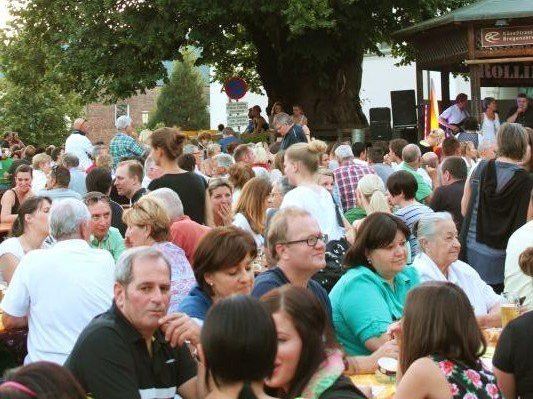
column 237, row 114
column 507, row 71
column 508, row 36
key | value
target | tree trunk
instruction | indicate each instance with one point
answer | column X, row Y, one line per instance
column 332, row 106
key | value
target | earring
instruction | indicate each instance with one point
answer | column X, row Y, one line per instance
column 369, row 261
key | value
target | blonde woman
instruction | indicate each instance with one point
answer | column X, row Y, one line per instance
column 149, row 225
column 41, row 164
column 250, row 211
column 371, row 196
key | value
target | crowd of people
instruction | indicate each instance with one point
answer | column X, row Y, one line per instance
column 210, row 268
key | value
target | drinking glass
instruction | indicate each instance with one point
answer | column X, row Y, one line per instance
column 510, row 309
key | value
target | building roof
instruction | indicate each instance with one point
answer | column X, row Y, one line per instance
column 478, row 11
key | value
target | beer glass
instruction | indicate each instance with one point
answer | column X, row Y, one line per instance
column 510, row 309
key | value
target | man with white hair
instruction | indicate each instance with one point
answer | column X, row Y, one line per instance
column 412, row 159
column 123, row 144
column 78, row 143
column 58, row 291
column 291, row 133
column 222, row 163
column 184, row 232
column 348, row 174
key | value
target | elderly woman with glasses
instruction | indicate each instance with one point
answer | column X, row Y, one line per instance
column 149, row 225
column 439, row 261
column 370, row 296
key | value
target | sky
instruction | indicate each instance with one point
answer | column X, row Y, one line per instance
column 4, row 15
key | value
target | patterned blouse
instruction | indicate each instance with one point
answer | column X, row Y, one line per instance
column 468, row 383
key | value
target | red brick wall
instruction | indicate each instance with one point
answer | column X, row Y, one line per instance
column 102, row 117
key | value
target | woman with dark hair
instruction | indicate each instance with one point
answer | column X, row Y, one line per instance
column 29, row 230
column 167, row 146
column 222, row 267
column 41, row 380
column 441, row 346
column 490, row 121
column 495, row 204
column 238, row 348
column 308, row 362
column 14, row 197
column 220, row 193
column 369, row 297
column 250, row 210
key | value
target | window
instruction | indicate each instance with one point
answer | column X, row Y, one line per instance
column 144, row 117
column 121, row 109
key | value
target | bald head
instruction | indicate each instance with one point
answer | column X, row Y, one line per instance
column 81, row 125
column 411, row 154
column 430, row 159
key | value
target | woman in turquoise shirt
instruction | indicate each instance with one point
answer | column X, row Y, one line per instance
column 370, row 296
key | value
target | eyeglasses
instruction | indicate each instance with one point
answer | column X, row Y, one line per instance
column 94, row 197
column 310, row 241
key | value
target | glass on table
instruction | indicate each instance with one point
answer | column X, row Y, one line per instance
column 510, row 309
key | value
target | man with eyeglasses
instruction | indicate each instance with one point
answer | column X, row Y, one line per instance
column 103, row 235
column 291, row 133
column 296, row 243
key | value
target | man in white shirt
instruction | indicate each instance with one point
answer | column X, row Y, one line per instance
column 58, row 291
column 453, row 116
column 515, row 280
column 78, row 143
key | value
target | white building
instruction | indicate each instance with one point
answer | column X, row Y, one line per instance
column 380, row 77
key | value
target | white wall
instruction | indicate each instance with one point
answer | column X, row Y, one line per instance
column 380, row 77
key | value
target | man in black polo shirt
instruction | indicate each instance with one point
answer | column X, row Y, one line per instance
column 122, row 354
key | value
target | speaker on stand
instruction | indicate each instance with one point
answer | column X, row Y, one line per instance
column 404, row 118
column 380, row 124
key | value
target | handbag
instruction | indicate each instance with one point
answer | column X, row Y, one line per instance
column 335, row 252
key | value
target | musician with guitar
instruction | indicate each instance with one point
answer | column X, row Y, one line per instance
column 453, row 117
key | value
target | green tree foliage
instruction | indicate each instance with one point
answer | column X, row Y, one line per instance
column 301, row 51
column 32, row 100
column 180, row 102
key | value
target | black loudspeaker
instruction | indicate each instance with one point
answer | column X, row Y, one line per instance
column 380, row 128
column 403, row 108
column 379, row 115
column 409, row 133
column 380, row 131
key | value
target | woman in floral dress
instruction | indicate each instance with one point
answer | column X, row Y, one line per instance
column 441, row 346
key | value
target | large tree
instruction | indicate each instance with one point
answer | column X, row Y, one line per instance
column 301, row 51
column 33, row 101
